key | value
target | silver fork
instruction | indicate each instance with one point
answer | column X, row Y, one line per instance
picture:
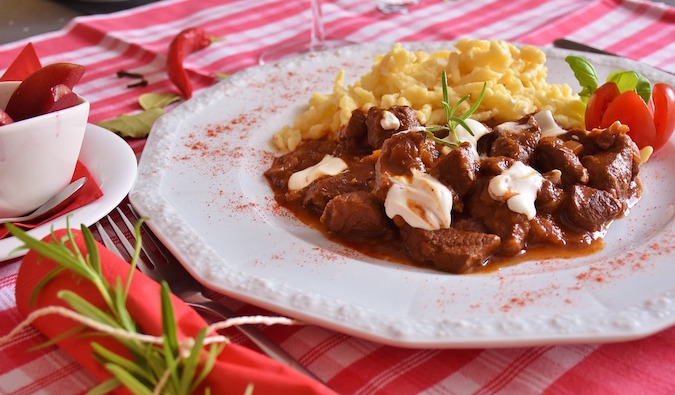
column 186, row 287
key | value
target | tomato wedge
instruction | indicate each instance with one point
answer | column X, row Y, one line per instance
column 598, row 103
column 23, row 65
column 663, row 99
column 629, row 109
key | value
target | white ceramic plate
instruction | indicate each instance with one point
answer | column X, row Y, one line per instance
column 200, row 181
column 112, row 163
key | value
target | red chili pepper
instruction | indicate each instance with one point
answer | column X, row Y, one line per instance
column 186, row 42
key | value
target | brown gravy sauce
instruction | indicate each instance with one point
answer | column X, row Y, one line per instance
column 392, row 250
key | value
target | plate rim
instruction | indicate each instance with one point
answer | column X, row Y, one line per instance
column 149, row 202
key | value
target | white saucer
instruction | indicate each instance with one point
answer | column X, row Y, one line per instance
column 112, row 163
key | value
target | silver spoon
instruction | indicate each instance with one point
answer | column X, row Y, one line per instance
column 56, row 203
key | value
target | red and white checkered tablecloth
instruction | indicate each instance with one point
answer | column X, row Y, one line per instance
column 138, row 40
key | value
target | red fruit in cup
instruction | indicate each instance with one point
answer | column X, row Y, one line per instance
column 44, row 91
column 25, row 63
column 63, row 97
column 4, row 118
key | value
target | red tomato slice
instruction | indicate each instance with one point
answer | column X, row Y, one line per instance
column 23, row 65
column 631, row 110
column 36, row 96
column 598, row 103
column 663, row 98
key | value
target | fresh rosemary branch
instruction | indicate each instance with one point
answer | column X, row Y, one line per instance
column 451, row 118
column 169, row 367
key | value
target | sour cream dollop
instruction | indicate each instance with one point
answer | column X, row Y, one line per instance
column 518, row 185
column 421, row 200
column 389, row 121
column 549, row 127
column 479, row 130
column 328, row 166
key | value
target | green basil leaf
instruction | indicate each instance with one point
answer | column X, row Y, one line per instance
column 585, row 74
column 627, row 80
column 136, row 125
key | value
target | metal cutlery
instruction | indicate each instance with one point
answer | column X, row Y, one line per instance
column 577, row 46
column 182, row 284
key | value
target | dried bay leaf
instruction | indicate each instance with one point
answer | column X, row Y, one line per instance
column 136, row 125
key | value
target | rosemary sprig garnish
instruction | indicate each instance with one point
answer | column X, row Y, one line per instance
column 451, row 118
column 160, row 365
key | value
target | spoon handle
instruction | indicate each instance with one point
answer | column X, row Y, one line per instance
column 53, row 205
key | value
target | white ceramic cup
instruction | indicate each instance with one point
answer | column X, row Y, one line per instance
column 38, row 155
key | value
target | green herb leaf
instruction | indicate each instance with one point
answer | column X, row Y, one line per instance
column 41, row 284
column 105, row 387
column 87, row 309
column 123, row 315
column 462, row 122
column 627, row 80
column 191, row 363
column 110, row 357
column 157, row 100
column 168, row 319
column 210, row 361
column 128, row 380
column 433, row 137
column 135, row 126
column 54, row 340
column 475, row 105
column 93, row 257
column 585, row 74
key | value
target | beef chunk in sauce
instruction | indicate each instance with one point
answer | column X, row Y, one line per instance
column 513, row 228
column 355, row 214
column 377, row 118
column 310, row 154
column 591, row 208
column 358, row 177
column 451, row 250
column 550, row 197
column 614, row 170
column 399, row 155
column 494, row 165
column 516, row 140
column 552, row 154
column 353, row 138
column 458, row 169
column 545, row 230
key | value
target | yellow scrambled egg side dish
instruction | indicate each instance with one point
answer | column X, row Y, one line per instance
column 515, row 78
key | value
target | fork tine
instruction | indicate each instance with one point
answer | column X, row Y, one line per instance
column 148, row 236
column 123, row 239
column 107, row 241
column 153, row 259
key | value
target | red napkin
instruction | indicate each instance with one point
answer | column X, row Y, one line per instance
column 89, row 192
column 236, row 367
